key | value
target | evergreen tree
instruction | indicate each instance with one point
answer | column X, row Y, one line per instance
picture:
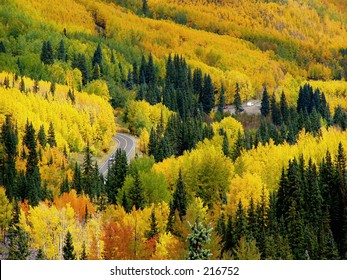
column 136, row 193
column 96, row 72
column 64, row 187
column 296, row 232
column 52, row 88
column 9, row 140
column 117, row 172
column 97, row 57
column 2, row 47
column 22, row 86
column 284, row 108
column 77, row 180
column 241, row 227
column 135, row 74
column 150, row 71
column 265, row 103
column 179, row 201
column 199, row 237
column 36, row 86
column 41, row 136
column 71, row 96
column 20, row 68
column 62, row 51
column 40, row 255
column 33, row 177
column 51, row 136
column 275, row 111
column 237, row 99
column 229, row 238
column 68, row 249
column 84, row 254
column 145, row 7
column 153, row 143
column 79, row 61
column 225, row 146
column 208, row 99
column 47, row 53
column 125, row 203
column 238, row 146
column 18, row 247
column 154, row 231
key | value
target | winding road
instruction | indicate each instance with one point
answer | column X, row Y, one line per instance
column 125, row 142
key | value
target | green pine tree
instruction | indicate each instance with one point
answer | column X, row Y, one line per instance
column 136, row 193
column 41, row 136
column 51, row 136
column 41, row 255
column 154, row 231
column 237, row 99
column 84, row 254
column 198, row 239
column 62, row 51
column 117, row 172
column 68, row 248
column 265, row 103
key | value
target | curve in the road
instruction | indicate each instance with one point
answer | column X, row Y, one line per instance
column 125, row 142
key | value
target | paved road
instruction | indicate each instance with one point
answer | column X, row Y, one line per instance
column 125, row 142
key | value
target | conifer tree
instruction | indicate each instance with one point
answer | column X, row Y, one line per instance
column 2, row 47
column 179, row 201
column 84, row 254
column 275, row 111
column 18, row 247
column 69, row 249
column 199, row 237
column 284, row 108
column 208, row 98
column 41, row 136
column 47, row 53
column 238, row 146
column 51, row 136
column 40, row 255
column 33, row 177
column 230, row 241
column 237, row 99
column 22, row 86
column 136, row 193
column 117, row 172
column 154, row 231
column 77, row 180
column 62, row 51
column 52, row 88
column 150, row 71
column 145, row 7
column 265, row 103
column 241, row 227
column 9, row 140
column 97, row 57
column 225, row 146
column 64, row 187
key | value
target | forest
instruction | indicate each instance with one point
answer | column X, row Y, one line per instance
column 205, row 183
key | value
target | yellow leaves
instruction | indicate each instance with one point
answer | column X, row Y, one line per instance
column 140, row 115
column 5, row 211
column 91, row 118
column 243, row 188
column 143, row 141
column 99, row 88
